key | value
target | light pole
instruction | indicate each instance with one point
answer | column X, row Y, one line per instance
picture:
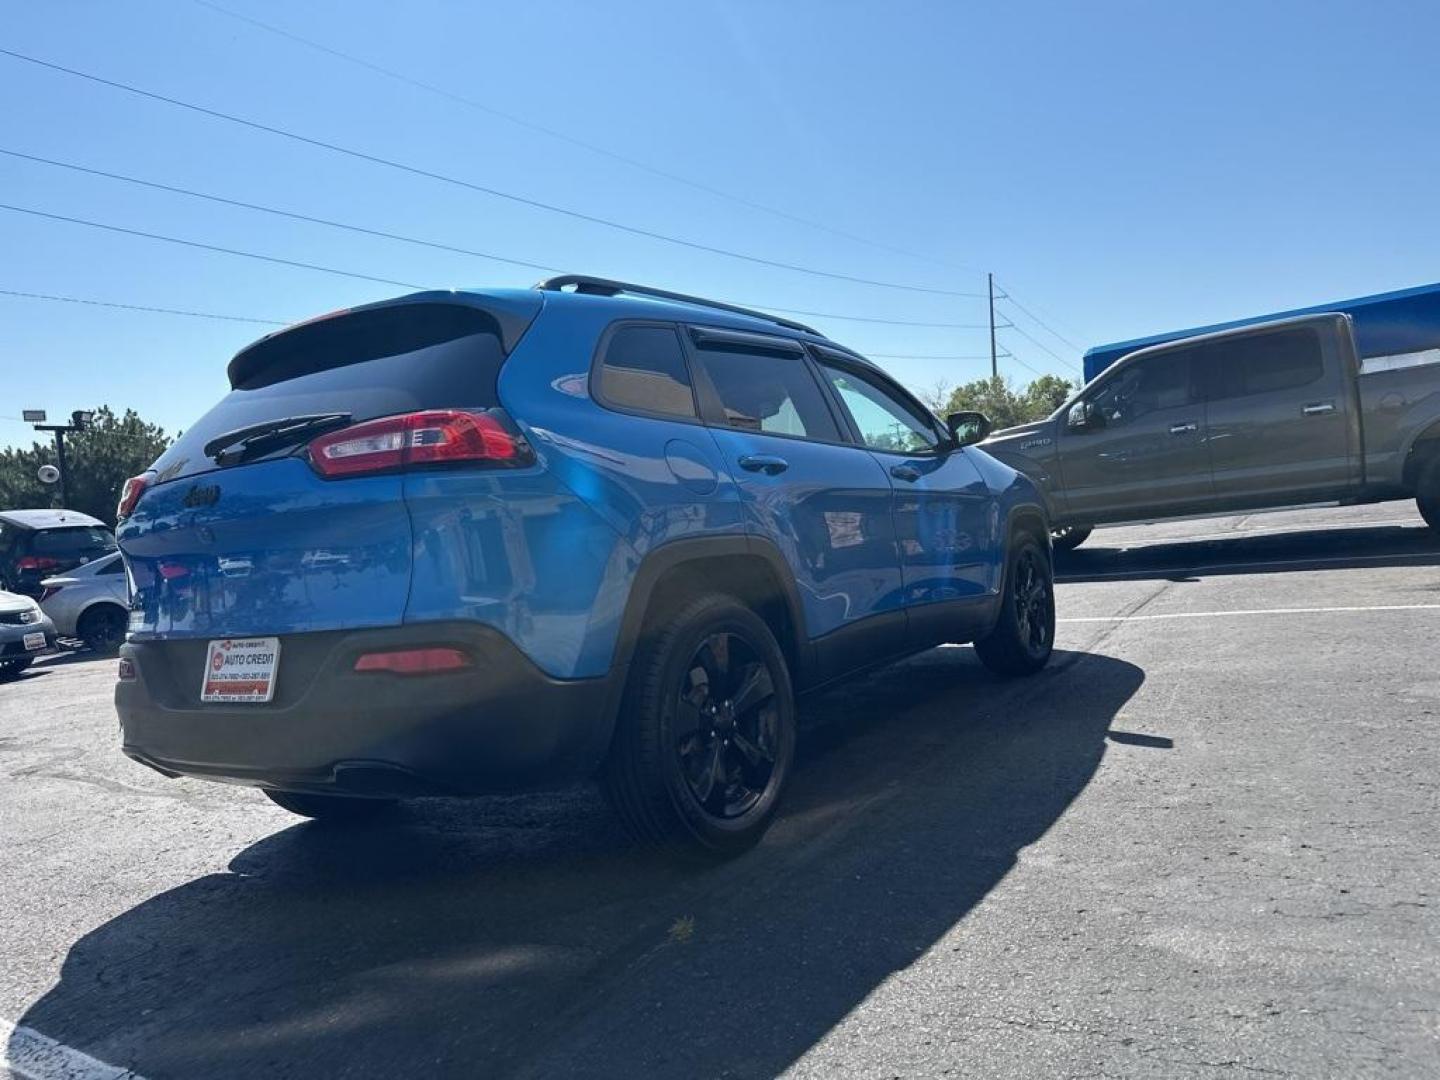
column 79, row 421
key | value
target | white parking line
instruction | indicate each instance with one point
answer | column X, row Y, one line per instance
column 1250, row 611
column 1173, row 571
column 28, row 1054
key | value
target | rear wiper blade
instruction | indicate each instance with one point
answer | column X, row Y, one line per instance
column 234, row 446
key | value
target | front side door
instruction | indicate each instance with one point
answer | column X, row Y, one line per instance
column 805, row 487
column 943, row 508
column 1280, row 414
column 1134, row 445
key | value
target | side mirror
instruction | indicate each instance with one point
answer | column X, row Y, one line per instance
column 967, row 428
column 1083, row 416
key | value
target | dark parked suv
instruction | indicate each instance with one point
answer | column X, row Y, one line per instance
column 464, row 542
column 36, row 544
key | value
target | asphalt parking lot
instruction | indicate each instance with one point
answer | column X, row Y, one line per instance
column 1203, row 842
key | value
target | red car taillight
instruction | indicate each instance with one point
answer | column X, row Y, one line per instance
column 36, row 562
column 433, row 437
column 130, row 495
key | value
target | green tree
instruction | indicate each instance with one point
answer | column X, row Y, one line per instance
column 100, row 459
column 998, row 399
column 1046, row 394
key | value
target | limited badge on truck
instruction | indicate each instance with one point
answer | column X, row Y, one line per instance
column 241, row 670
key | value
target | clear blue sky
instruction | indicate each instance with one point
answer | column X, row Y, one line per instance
column 1122, row 168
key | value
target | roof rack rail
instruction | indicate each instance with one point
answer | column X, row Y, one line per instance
column 598, row 286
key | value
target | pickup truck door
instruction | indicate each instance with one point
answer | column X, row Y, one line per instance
column 1133, row 445
column 1283, row 423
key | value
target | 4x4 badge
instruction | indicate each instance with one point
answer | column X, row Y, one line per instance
column 202, row 495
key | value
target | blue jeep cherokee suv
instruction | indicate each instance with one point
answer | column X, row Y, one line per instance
column 467, row 542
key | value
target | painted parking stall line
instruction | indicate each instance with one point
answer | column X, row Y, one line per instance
column 1250, row 611
column 33, row 1056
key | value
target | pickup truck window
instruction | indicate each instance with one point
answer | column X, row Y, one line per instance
column 1163, row 381
column 1282, row 360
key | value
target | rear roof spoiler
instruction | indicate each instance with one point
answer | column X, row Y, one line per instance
column 511, row 312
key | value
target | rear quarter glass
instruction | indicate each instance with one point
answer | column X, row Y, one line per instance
column 420, row 358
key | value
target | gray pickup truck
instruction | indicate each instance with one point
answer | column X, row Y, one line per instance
column 1275, row 414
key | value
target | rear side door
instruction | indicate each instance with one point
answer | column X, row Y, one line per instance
column 943, row 520
column 1134, row 445
column 804, row 486
column 1282, row 421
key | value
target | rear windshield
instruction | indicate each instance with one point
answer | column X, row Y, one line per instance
column 76, row 542
column 419, row 357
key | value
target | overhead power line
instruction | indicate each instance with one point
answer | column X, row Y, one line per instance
column 259, row 208
column 1044, row 348
column 522, row 200
column 211, row 247
column 549, row 132
column 436, row 245
column 219, row 249
column 1005, row 295
column 135, row 307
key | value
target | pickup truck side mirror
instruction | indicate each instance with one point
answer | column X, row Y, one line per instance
column 1084, row 416
column 967, row 428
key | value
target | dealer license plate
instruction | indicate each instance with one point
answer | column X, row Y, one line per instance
column 241, row 670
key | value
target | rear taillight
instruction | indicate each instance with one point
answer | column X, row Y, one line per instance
column 433, row 437
column 432, row 661
column 130, row 495
column 125, row 672
column 36, row 562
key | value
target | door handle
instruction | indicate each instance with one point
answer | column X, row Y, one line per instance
column 768, row 464
column 1318, row 408
column 905, row 472
column 1185, row 428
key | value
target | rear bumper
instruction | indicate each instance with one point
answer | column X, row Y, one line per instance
column 502, row 725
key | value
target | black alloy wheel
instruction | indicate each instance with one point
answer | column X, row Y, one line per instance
column 726, row 726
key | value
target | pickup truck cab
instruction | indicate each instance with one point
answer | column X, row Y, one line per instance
column 1262, row 416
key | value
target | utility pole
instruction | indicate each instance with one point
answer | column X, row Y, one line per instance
column 79, row 421
column 994, row 363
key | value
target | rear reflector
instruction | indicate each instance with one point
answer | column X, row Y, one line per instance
column 126, row 669
column 433, row 437
column 414, row 661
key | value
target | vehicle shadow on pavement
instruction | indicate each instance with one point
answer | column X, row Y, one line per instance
column 1319, row 549
column 525, row 937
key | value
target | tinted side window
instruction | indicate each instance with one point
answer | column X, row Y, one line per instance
column 1257, row 365
column 74, row 542
column 644, row 369
column 885, row 421
column 1164, row 381
column 772, row 392
column 114, row 566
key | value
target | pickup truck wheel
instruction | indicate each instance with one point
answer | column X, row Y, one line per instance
column 706, row 735
column 1070, row 537
column 340, row 809
column 1024, row 634
column 1427, row 495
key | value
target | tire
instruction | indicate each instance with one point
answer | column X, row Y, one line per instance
column 339, row 809
column 694, row 766
column 1427, row 495
column 103, row 627
column 11, row 669
column 1070, row 537
column 1024, row 634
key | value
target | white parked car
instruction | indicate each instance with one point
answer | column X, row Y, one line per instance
column 91, row 602
column 25, row 633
